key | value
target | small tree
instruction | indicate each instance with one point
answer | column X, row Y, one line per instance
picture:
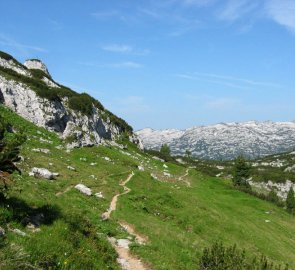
column 241, row 172
column 165, row 151
column 188, row 154
column 290, row 202
column 272, row 196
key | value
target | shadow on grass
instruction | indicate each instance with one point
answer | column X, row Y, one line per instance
column 19, row 211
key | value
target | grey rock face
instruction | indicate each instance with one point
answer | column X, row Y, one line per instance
column 36, row 64
column 81, row 130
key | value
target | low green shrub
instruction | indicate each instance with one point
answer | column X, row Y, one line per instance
column 219, row 257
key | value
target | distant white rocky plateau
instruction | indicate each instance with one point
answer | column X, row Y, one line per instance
column 224, row 141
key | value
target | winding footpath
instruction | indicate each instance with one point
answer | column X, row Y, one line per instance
column 181, row 178
column 113, row 206
column 126, row 259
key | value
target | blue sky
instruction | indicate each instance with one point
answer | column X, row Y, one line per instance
column 164, row 63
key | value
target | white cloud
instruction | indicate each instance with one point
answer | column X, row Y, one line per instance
column 230, row 81
column 235, row 9
column 198, row 2
column 123, row 48
column 127, row 64
column 282, row 12
column 132, row 65
column 119, row 48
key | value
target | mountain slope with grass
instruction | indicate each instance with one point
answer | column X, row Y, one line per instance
column 166, row 215
column 81, row 120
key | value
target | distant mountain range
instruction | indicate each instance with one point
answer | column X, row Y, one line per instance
column 226, row 140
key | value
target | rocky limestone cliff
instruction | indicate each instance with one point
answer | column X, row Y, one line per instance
column 36, row 64
column 47, row 104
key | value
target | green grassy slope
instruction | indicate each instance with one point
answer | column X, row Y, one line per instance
column 179, row 220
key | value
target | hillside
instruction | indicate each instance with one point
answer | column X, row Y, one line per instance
column 274, row 171
column 225, row 141
column 81, row 120
column 170, row 212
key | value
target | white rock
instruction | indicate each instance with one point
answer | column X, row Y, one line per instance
column 99, row 195
column 154, row 176
column 41, row 150
column 83, row 189
column 2, row 232
column 156, row 158
column 71, row 168
column 141, row 168
column 43, row 173
column 290, row 169
column 165, row 166
column 19, row 232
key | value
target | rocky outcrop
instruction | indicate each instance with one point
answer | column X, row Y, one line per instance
column 77, row 128
column 36, row 64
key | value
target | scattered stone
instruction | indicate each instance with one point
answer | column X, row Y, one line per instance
column 2, row 232
column 267, row 221
column 71, row 168
column 83, row 159
column 50, row 164
column 83, row 189
column 99, row 195
column 167, row 174
column 43, row 173
column 179, row 160
column 154, row 176
column 220, row 167
column 141, row 168
column 290, row 169
column 59, row 147
column 165, row 166
column 45, row 141
column 41, row 150
column 156, row 158
column 107, row 159
column 93, row 164
column 18, row 232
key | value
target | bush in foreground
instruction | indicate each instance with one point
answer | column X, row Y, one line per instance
column 219, row 257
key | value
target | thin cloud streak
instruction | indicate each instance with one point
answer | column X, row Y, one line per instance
column 234, row 10
column 226, row 80
column 224, row 83
column 23, row 48
column 124, row 49
column 127, row 65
